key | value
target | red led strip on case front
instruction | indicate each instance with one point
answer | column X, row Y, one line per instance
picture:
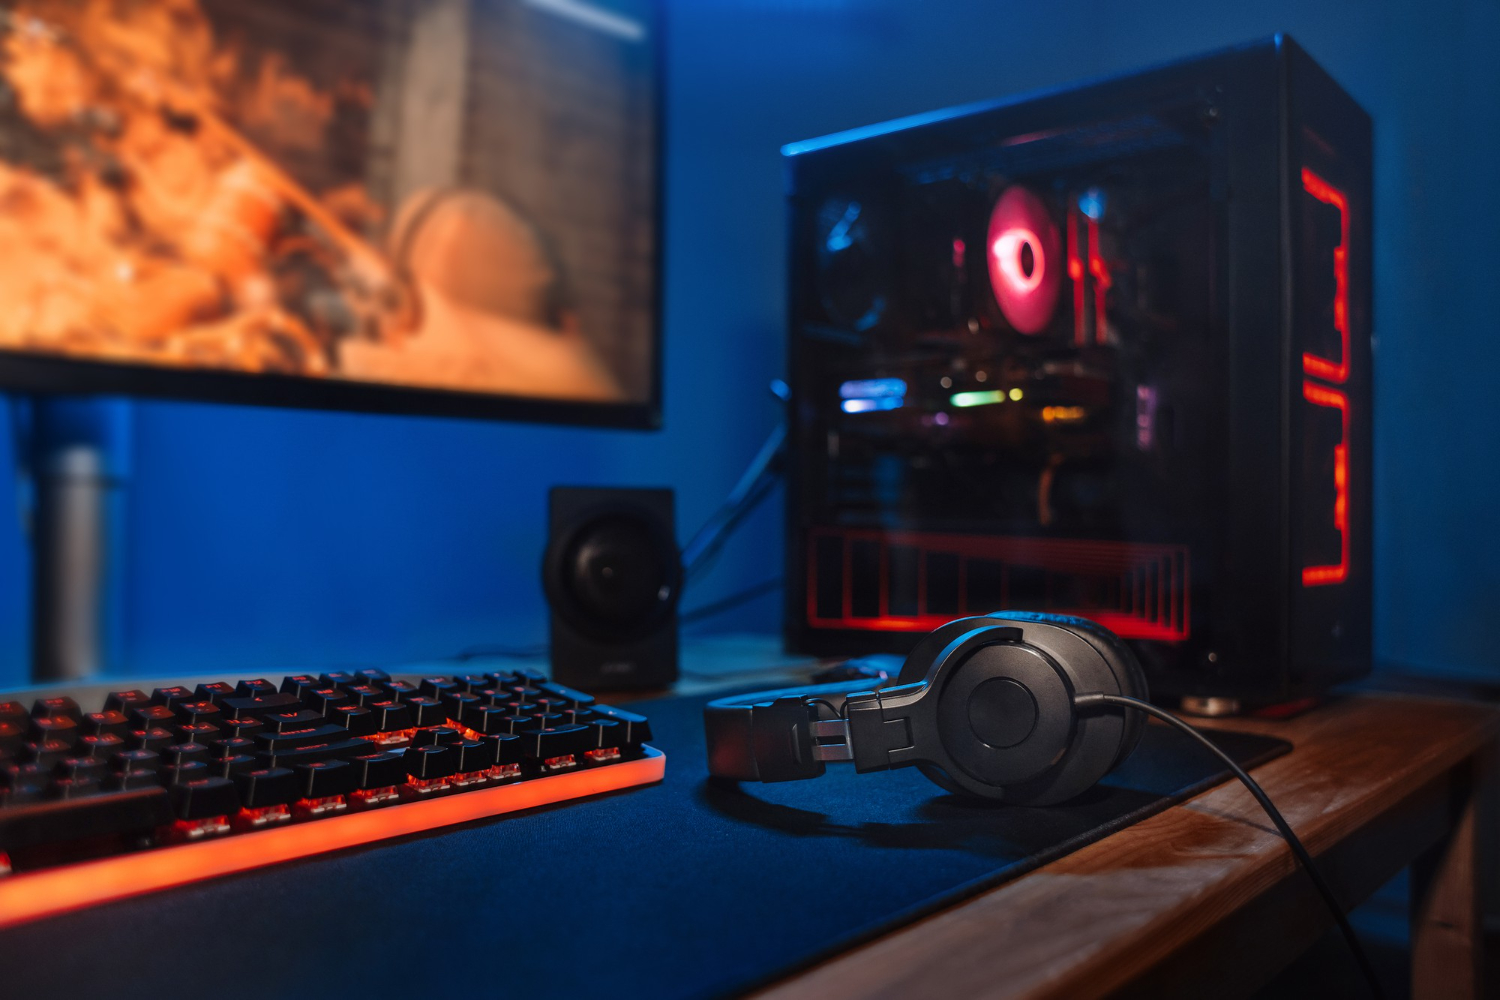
column 1148, row 583
column 1075, row 271
column 1102, row 283
column 31, row 895
column 1313, row 576
column 1312, row 364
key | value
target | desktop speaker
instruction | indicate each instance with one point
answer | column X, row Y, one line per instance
column 612, row 575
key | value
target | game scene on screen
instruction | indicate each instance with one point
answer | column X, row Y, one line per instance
column 414, row 193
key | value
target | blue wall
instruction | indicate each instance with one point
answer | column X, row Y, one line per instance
column 258, row 538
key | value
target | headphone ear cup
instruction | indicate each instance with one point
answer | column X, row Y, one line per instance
column 1129, row 676
column 1083, row 658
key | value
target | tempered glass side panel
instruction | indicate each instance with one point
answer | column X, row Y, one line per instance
column 1009, row 384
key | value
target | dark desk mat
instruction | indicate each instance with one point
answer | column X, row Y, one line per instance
column 681, row 889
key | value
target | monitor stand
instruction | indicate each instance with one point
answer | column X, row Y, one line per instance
column 75, row 454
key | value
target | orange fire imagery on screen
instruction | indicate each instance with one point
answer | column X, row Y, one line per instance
column 151, row 212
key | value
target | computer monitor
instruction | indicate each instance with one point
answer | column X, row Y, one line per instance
column 443, row 207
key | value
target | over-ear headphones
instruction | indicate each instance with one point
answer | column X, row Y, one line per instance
column 984, row 706
column 1017, row 706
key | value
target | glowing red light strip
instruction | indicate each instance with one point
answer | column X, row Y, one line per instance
column 1101, row 281
column 1161, row 612
column 1312, row 364
column 1075, row 271
column 1313, row 576
column 31, row 895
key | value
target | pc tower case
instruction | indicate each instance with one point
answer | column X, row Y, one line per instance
column 1102, row 351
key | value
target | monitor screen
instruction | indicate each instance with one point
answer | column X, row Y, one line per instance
column 444, row 206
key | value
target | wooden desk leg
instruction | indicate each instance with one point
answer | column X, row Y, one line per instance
column 1446, row 929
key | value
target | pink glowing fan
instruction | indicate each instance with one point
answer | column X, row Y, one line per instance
column 1025, row 260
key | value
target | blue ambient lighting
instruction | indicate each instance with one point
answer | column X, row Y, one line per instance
column 871, row 405
column 838, row 236
column 1091, row 203
column 873, row 388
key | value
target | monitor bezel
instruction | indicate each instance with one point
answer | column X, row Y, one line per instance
column 62, row 374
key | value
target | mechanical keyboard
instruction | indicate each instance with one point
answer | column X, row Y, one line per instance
column 166, row 787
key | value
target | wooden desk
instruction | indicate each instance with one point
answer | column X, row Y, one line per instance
column 1204, row 898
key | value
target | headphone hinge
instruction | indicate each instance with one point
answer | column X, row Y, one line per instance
column 874, row 737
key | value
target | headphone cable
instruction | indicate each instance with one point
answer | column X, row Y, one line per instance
column 1089, row 700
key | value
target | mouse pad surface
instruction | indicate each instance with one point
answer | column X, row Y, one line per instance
column 682, row 889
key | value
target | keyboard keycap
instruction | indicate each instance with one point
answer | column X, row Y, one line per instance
column 51, row 708
column 228, row 767
column 324, row 778
column 124, row 701
column 155, row 738
column 298, row 684
column 554, row 741
column 182, row 753
column 426, row 711
column 187, row 771
column 400, row 690
column 103, row 747
column 198, row 732
column 269, row 786
column 474, row 755
column 242, row 729
column 55, row 728
column 429, row 762
column 13, row 712
column 543, row 720
column 291, row 739
column 605, row 734
column 148, row 716
column 437, row 736
column 454, row 703
column 108, row 722
column 202, row 798
column 81, row 768
column 45, row 753
column 334, row 750
column 285, row 722
column 324, row 700
column 213, row 693
column 507, row 748
column 575, row 699
column 136, row 762
column 371, row 675
column 199, row 711
column 232, row 747
column 171, row 697
column 390, row 716
column 258, row 688
column 486, row 719
column 134, row 769
column 637, row 728
column 378, row 770
column 357, row 721
column 365, row 695
column 255, row 707
column 436, row 687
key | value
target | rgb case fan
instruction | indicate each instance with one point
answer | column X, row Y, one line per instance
column 1103, row 351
